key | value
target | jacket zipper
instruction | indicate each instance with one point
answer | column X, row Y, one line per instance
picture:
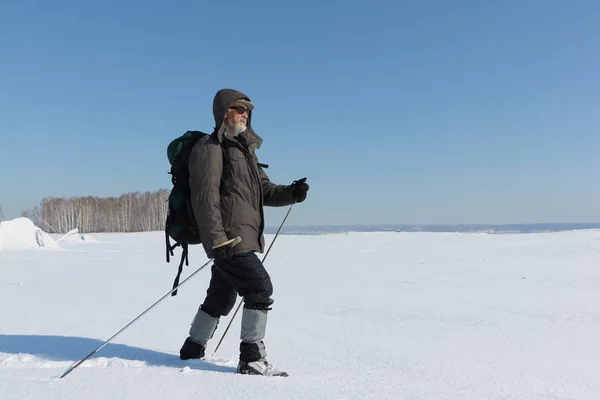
column 256, row 174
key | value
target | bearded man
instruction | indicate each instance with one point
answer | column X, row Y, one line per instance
column 228, row 191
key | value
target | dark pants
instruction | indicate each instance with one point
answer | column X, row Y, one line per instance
column 243, row 274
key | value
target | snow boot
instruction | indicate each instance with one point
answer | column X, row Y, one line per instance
column 202, row 330
column 191, row 350
column 253, row 355
column 260, row 367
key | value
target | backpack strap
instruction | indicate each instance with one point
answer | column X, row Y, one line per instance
column 167, row 240
column 184, row 258
column 168, row 246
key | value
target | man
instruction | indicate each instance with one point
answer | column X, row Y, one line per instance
column 228, row 191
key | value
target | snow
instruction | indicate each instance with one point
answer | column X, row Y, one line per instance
column 73, row 236
column 356, row 316
column 22, row 234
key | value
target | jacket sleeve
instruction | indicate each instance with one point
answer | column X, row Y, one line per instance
column 206, row 167
column 275, row 195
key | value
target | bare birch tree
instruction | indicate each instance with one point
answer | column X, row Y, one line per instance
column 130, row 212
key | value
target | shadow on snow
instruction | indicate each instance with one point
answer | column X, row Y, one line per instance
column 71, row 348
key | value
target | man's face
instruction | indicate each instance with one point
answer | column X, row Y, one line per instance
column 236, row 118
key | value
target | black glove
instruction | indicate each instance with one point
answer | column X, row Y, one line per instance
column 225, row 249
column 299, row 190
column 225, row 252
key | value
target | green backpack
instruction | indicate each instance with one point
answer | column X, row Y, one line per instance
column 180, row 224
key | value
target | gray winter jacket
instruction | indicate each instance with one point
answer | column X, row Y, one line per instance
column 228, row 187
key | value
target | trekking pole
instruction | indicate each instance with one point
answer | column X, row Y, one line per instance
column 138, row 317
column 263, row 260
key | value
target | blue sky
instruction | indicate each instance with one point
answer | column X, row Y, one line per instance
column 397, row 112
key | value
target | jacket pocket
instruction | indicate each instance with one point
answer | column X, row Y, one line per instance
column 229, row 218
column 233, row 211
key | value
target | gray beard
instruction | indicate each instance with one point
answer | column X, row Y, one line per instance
column 235, row 129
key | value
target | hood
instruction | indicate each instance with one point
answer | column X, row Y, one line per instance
column 223, row 99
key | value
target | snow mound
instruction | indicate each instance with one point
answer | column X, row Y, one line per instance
column 73, row 236
column 22, row 234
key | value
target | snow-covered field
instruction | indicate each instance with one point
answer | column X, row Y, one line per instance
column 356, row 316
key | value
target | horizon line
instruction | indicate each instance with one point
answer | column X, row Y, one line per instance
column 440, row 224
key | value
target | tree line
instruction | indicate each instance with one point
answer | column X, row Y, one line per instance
column 130, row 212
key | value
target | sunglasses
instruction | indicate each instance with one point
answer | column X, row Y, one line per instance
column 240, row 109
